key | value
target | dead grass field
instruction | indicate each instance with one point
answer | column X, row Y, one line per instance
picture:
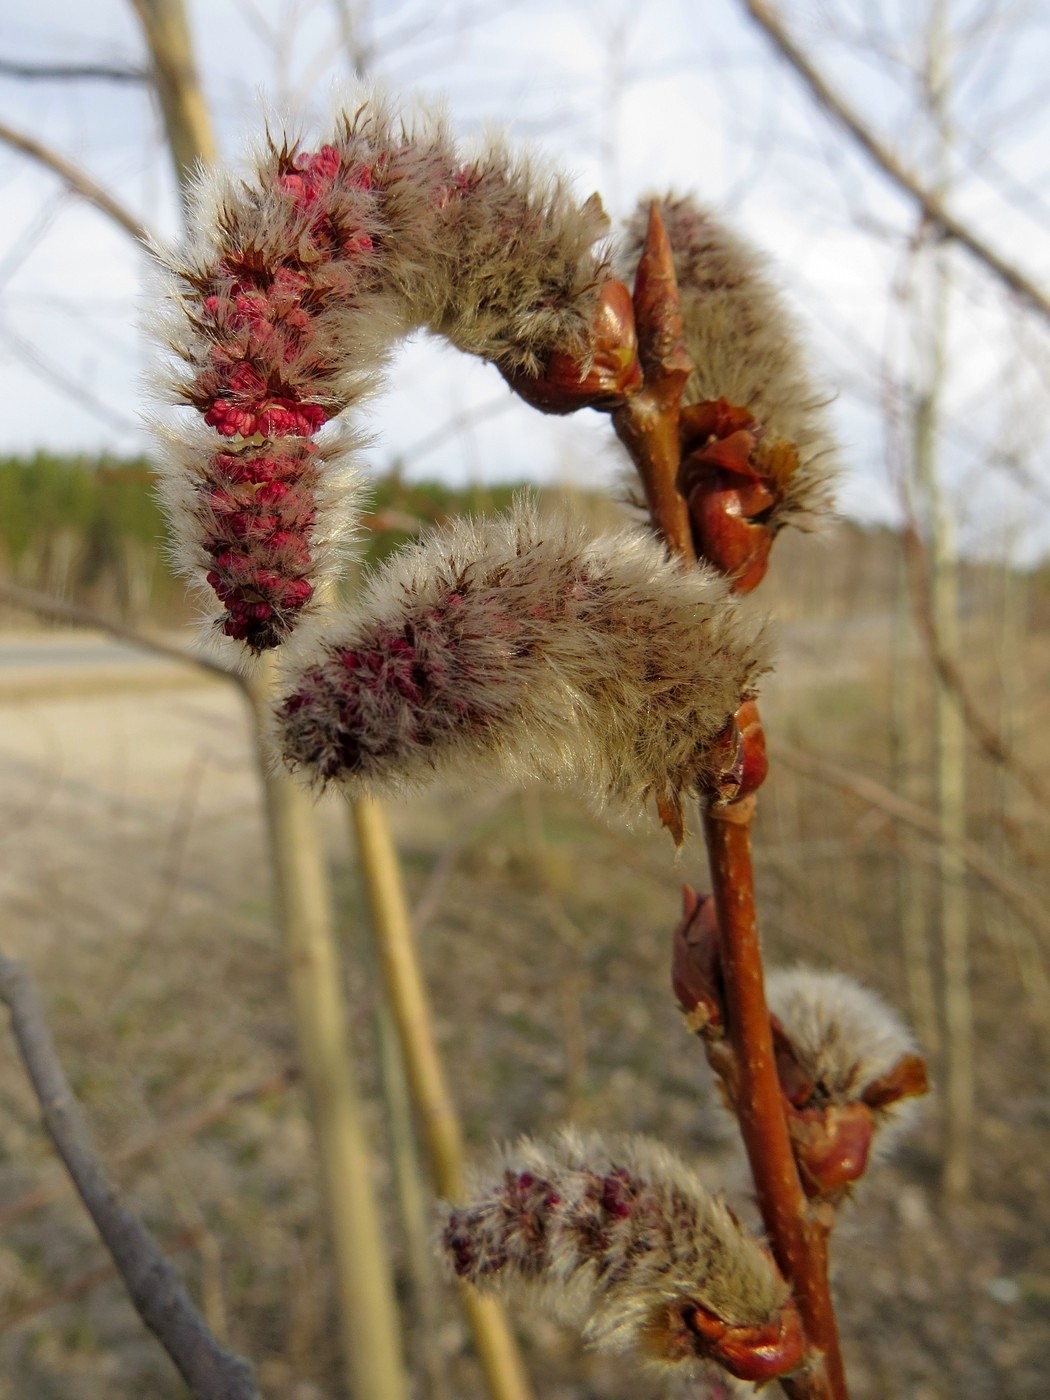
column 133, row 880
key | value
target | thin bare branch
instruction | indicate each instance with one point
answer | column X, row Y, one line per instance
column 1023, row 902
column 43, row 605
column 76, row 179
column 1012, row 277
column 69, row 72
column 988, row 739
column 156, row 1290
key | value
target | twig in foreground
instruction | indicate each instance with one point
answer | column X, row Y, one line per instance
column 156, row 1290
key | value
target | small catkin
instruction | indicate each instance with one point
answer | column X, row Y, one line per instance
column 744, row 345
column 298, row 277
column 525, row 645
column 845, row 1038
column 619, row 1236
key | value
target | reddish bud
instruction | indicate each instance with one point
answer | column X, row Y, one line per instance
column 728, row 750
column 658, row 312
column 613, row 371
column 755, row 762
column 730, row 489
column 907, row 1079
column 695, row 970
column 831, row 1145
column 756, row 1354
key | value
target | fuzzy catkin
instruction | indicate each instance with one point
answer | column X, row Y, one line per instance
column 618, row 1235
column 525, row 645
column 845, row 1038
column 297, row 278
column 744, row 345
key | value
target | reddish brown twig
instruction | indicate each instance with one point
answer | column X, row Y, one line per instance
column 797, row 1233
column 649, row 426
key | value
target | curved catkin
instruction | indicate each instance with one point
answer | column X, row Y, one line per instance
column 622, row 1237
column 527, row 646
column 744, row 345
column 846, row 1040
column 298, row 276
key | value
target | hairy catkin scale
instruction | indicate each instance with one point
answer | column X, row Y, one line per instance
column 298, row 277
column 524, row 645
column 845, row 1038
column 617, row 1235
column 744, row 345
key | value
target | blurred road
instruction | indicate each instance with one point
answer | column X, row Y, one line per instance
column 39, row 665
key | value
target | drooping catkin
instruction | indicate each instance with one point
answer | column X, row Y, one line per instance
column 849, row 1043
column 622, row 1237
column 297, row 278
column 745, row 348
column 525, row 645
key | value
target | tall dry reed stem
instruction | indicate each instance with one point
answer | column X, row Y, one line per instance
column 409, row 1004
column 369, row 1323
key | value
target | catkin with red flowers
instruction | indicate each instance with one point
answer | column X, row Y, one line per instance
column 298, row 278
column 622, row 1236
column 526, row 646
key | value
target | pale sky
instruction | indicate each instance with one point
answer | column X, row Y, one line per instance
column 629, row 98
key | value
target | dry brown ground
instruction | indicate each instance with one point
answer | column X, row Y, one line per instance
column 133, row 880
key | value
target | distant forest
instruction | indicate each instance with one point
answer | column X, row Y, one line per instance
column 90, row 529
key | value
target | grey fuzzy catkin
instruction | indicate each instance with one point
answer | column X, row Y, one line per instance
column 744, row 343
column 298, row 276
column 527, row 646
column 845, row 1037
column 613, row 1234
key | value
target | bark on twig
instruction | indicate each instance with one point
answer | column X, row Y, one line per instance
column 159, row 1296
column 798, row 1236
column 797, row 1233
column 1012, row 277
column 72, row 72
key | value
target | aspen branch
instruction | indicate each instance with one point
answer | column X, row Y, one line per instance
column 187, row 122
column 933, row 209
column 797, row 1235
column 155, row 1288
column 408, row 1002
column 76, row 179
